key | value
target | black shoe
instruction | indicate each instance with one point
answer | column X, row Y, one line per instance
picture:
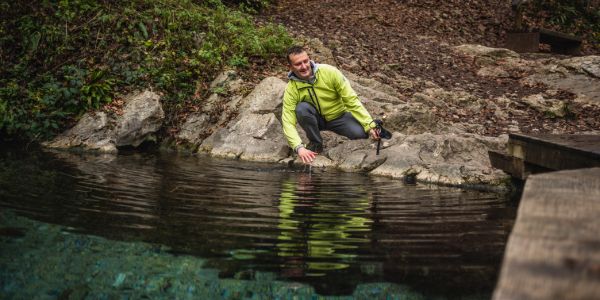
column 315, row 147
column 383, row 133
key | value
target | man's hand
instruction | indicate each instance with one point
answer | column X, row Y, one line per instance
column 374, row 133
column 306, row 155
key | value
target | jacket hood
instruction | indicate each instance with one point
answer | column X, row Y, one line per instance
column 314, row 66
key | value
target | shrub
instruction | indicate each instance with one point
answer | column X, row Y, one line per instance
column 579, row 17
column 63, row 58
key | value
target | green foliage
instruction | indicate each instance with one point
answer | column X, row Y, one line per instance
column 62, row 58
column 251, row 6
column 581, row 17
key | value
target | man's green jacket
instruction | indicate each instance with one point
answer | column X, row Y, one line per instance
column 329, row 92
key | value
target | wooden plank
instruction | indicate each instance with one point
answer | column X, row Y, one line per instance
column 556, row 152
column 553, row 251
column 530, row 41
column 509, row 164
column 586, row 144
column 557, row 37
column 514, row 166
column 523, row 42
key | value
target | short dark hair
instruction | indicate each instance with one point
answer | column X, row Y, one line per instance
column 296, row 49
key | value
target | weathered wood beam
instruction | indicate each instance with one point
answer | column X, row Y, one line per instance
column 556, row 152
column 553, row 251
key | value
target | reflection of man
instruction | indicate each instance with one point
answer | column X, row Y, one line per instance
column 319, row 97
column 319, row 233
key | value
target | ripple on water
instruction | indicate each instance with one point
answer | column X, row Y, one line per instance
column 331, row 229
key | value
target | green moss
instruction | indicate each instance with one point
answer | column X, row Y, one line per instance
column 62, row 58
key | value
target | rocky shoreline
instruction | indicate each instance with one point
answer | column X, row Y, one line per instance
column 424, row 146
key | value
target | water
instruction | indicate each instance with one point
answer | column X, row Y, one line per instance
column 136, row 221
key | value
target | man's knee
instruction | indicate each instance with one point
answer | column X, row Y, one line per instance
column 349, row 127
column 357, row 133
column 304, row 109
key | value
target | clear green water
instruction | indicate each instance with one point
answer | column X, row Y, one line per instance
column 163, row 226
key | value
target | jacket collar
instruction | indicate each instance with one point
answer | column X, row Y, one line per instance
column 314, row 66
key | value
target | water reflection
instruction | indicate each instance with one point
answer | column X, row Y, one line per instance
column 320, row 228
column 332, row 230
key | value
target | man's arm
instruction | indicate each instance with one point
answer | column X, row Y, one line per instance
column 352, row 103
column 288, row 119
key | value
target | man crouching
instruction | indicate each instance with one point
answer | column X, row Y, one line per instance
column 319, row 97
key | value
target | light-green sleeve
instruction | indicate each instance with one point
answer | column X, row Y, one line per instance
column 288, row 117
column 352, row 103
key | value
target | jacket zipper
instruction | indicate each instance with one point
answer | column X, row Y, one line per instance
column 313, row 100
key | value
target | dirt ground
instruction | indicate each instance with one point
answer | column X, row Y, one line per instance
column 391, row 39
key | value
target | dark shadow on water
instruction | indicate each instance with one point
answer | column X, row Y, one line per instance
column 333, row 230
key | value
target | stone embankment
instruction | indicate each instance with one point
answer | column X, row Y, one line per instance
column 432, row 150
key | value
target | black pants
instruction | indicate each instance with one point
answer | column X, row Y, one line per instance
column 313, row 123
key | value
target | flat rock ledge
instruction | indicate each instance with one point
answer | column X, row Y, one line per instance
column 421, row 147
column 249, row 128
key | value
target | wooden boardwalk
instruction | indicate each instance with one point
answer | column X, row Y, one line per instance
column 554, row 249
column 531, row 154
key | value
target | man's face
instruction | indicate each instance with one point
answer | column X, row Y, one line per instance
column 300, row 65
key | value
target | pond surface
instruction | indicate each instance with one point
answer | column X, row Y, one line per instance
column 155, row 224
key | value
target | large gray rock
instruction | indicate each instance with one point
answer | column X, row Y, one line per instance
column 371, row 90
column 460, row 160
column 485, row 55
column 580, row 75
column 256, row 133
column 414, row 118
column 216, row 110
column 550, row 107
column 92, row 132
column 98, row 131
column 254, row 137
column 195, row 129
column 589, row 65
column 448, row 159
column 265, row 98
column 142, row 115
